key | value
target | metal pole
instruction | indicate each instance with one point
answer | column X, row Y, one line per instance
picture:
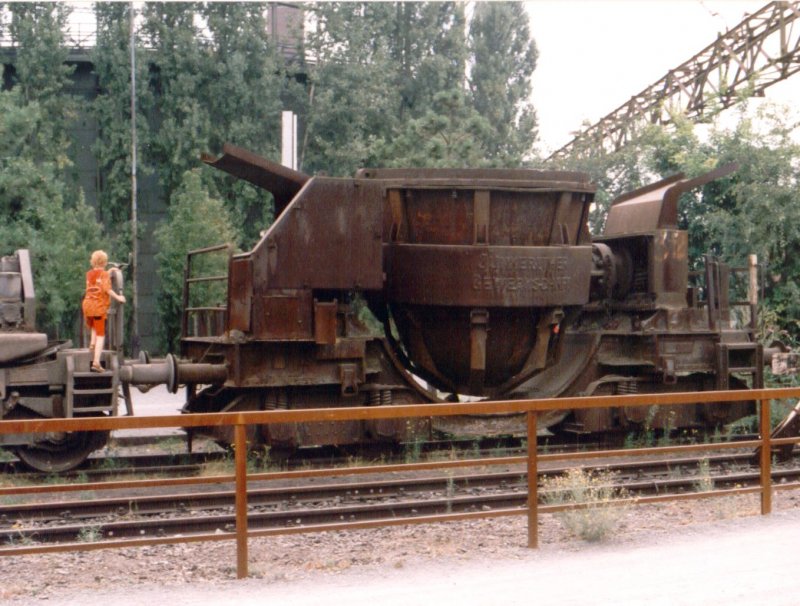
column 533, row 484
column 240, row 444
column 752, row 290
column 765, row 459
column 134, row 204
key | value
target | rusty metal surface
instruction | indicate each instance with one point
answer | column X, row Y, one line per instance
column 477, row 271
column 655, row 206
column 533, row 482
column 240, row 294
column 482, row 279
column 282, row 182
column 496, row 276
column 283, row 315
column 328, row 238
column 241, row 501
column 506, row 177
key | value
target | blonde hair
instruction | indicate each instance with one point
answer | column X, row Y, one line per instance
column 99, row 258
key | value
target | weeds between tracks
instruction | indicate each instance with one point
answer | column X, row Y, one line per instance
column 595, row 493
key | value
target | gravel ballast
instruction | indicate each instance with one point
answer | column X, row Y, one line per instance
column 89, row 578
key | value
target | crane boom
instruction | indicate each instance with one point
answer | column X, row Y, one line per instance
column 760, row 51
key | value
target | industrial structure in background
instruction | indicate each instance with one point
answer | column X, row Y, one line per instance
column 762, row 50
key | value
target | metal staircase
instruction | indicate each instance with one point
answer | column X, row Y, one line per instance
column 91, row 393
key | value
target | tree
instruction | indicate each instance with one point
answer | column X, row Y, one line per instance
column 503, row 59
column 35, row 214
column 179, row 80
column 41, row 206
column 451, row 134
column 350, row 109
column 196, row 220
column 247, row 82
column 112, row 109
column 426, row 41
column 386, row 77
column 41, row 69
column 221, row 84
column 757, row 209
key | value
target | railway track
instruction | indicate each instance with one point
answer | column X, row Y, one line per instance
column 142, row 460
column 147, row 458
column 311, row 504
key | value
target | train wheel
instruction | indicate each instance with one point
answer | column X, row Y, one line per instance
column 61, row 452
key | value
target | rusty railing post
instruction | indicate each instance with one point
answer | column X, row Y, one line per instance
column 533, row 484
column 766, row 458
column 240, row 445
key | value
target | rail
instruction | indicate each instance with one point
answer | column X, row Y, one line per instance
column 240, row 421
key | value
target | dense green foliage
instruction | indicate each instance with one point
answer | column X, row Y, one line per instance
column 40, row 205
column 503, row 60
column 112, row 110
column 195, row 220
column 413, row 84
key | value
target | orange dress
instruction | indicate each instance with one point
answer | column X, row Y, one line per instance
column 96, row 300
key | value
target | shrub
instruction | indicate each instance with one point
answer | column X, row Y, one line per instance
column 591, row 495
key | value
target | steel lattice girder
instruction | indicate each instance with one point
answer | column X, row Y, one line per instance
column 760, row 51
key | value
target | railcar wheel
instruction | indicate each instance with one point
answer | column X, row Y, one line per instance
column 59, row 452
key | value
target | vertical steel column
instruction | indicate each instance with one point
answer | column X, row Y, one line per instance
column 135, row 337
column 766, row 455
column 533, row 484
column 240, row 445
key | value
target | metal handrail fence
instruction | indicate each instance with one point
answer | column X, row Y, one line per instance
column 240, row 421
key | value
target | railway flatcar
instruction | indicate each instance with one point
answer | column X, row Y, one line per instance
column 42, row 378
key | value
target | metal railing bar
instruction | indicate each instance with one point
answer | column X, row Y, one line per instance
column 115, row 485
column 219, row 278
column 786, row 486
column 655, row 450
column 98, row 545
column 208, row 249
column 385, row 522
column 652, row 499
column 399, row 411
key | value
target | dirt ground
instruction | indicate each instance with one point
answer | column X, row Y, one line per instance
column 311, row 569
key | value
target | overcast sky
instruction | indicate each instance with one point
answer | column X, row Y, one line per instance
column 596, row 54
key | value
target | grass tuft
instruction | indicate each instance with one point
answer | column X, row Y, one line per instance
column 592, row 496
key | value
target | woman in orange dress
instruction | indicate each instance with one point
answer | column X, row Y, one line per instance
column 96, row 302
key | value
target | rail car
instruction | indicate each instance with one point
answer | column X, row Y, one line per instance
column 487, row 284
column 41, row 378
column 481, row 283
